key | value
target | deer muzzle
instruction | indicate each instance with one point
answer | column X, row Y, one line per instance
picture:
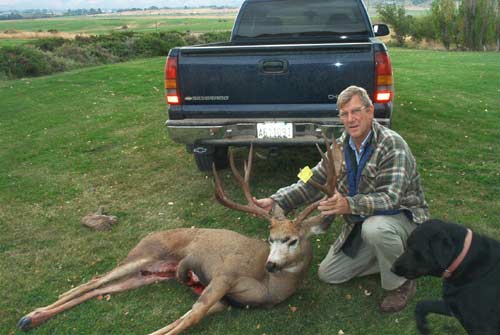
column 272, row 267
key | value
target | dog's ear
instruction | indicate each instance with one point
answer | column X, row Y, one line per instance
column 442, row 248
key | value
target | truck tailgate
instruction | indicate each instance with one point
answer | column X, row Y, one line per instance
column 221, row 79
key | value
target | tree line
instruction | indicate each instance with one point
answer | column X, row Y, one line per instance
column 464, row 24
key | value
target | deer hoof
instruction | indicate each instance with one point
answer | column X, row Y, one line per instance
column 25, row 323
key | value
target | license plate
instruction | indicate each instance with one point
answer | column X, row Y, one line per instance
column 274, row 130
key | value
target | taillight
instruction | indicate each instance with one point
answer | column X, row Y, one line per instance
column 171, row 91
column 383, row 77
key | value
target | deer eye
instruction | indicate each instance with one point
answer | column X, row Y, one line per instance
column 270, row 240
column 293, row 242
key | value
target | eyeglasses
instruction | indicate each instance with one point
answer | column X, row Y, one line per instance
column 354, row 112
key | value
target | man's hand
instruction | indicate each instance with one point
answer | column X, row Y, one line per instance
column 265, row 203
column 337, row 204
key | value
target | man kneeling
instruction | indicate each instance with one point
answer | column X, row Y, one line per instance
column 379, row 195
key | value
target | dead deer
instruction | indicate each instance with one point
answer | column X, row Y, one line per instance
column 222, row 266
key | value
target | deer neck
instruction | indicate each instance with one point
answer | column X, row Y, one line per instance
column 284, row 283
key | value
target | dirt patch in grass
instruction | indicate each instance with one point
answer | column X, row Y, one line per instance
column 14, row 34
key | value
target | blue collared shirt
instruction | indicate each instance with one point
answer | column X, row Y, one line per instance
column 361, row 148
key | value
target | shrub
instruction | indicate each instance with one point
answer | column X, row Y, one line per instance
column 155, row 44
column 174, row 38
column 444, row 16
column 86, row 55
column 117, row 44
column 60, row 64
column 149, row 45
column 423, row 28
column 395, row 16
column 49, row 44
column 220, row 36
column 73, row 52
column 56, row 54
column 24, row 61
column 100, row 55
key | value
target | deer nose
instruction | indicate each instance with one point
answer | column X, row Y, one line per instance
column 271, row 267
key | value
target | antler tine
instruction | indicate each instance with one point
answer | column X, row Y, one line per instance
column 307, row 211
column 248, row 165
column 244, row 183
column 329, row 166
column 236, row 173
column 328, row 161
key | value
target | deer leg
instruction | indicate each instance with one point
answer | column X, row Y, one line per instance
column 118, row 272
column 207, row 303
column 117, row 280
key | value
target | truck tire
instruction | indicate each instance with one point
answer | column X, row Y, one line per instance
column 204, row 157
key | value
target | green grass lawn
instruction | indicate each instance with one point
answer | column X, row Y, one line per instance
column 12, row 42
column 73, row 141
column 103, row 25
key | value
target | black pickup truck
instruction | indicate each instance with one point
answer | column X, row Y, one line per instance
column 276, row 81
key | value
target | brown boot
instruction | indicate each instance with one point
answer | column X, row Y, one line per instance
column 396, row 300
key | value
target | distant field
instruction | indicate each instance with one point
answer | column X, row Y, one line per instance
column 107, row 24
column 195, row 20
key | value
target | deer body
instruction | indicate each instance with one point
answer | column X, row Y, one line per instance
column 236, row 264
column 229, row 254
column 222, row 266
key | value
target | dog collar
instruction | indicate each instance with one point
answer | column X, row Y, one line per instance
column 456, row 263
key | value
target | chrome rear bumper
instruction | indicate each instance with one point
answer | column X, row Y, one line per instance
column 244, row 131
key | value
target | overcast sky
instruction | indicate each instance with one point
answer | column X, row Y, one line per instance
column 108, row 4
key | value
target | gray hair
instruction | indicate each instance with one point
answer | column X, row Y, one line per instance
column 346, row 95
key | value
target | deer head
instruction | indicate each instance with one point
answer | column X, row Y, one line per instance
column 288, row 238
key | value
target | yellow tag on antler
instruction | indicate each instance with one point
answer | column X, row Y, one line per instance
column 305, row 174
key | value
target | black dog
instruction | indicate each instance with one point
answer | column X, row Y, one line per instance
column 471, row 284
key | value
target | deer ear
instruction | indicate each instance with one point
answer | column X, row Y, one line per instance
column 442, row 248
column 312, row 226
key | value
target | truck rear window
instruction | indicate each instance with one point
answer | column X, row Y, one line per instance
column 282, row 18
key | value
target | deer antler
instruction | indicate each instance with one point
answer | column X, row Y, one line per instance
column 220, row 195
column 332, row 162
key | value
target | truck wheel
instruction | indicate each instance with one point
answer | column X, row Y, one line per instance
column 204, row 157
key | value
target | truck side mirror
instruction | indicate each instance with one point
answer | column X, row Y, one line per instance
column 381, row 29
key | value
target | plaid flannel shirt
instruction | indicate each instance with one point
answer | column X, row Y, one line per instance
column 389, row 181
